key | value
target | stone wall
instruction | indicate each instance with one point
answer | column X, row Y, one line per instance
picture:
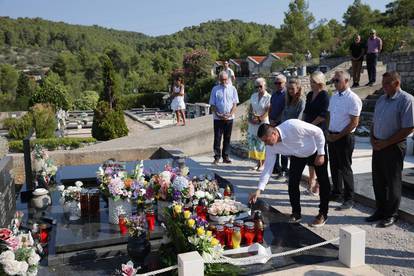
column 403, row 62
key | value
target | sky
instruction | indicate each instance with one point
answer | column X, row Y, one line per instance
column 162, row 17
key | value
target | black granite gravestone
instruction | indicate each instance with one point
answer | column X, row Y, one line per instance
column 7, row 192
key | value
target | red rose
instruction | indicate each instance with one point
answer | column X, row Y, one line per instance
column 5, row 234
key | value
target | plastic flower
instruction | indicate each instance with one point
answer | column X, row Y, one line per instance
column 209, row 233
column 200, row 231
column 187, row 214
column 191, row 223
column 178, row 209
column 180, row 183
column 128, row 269
column 214, row 242
column 5, row 234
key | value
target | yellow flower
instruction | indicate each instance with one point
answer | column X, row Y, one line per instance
column 209, row 233
column 200, row 231
column 187, row 214
column 178, row 209
column 214, row 241
column 191, row 223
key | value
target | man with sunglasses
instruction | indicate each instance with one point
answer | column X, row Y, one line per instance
column 223, row 101
column 344, row 110
column 277, row 105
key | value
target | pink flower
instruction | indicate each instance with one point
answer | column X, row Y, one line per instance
column 5, row 234
column 128, row 270
column 191, row 189
column 14, row 243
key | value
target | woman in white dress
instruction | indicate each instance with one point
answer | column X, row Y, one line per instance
column 178, row 104
column 258, row 114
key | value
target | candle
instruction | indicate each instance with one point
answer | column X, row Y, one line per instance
column 227, row 191
column 122, row 224
column 44, row 235
column 249, row 233
column 220, row 234
column 259, row 235
column 236, row 237
column 150, row 216
column 229, row 233
column 84, row 202
column 240, row 224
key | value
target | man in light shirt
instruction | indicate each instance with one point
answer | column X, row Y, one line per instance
column 344, row 110
column 304, row 143
column 230, row 73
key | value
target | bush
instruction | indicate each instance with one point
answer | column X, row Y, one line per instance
column 52, row 143
column 138, row 100
column 108, row 123
column 200, row 91
column 20, row 128
column 87, row 101
column 44, row 120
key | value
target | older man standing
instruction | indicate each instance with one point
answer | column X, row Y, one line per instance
column 230, row 73
column 223, row 101
column 304, row 143
column 374, row 47
column 344, row 110
column 277, row 105
column 357, row 49
column 393, row 122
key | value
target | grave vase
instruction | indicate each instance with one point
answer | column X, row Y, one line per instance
column 138, row 248
column 116, row 208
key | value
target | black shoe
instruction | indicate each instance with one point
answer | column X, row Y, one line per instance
column 387, row 222
column 355, row 85
column 227, row 161
column 347, row 205
column 295, row 218
column 371, row 84
column 335, row 197
column 374, row 217
column 215, row 162
column 368, row 84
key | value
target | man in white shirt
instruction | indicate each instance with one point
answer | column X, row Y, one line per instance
column 230, row 73
column 304, row 143
column 344, row 110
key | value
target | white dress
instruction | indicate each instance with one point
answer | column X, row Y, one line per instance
column 178, row 102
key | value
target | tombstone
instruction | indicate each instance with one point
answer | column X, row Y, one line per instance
column 7, row 192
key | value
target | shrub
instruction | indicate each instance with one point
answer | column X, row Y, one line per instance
column 138, row 100
column 108, row 123
column 87, row 101
column 52, row 143
column 20, row 128
column 200, row 91
column 44, row 120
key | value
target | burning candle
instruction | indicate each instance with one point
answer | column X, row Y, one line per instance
column 150, row 216
column 229, row 233
column 122, row 224
column 249, row 233
column 44, row 234
column 220, row 234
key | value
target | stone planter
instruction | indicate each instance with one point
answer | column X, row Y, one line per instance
column 116, row 208
column 138, row 248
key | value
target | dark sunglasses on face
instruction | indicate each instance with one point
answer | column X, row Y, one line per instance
column 278, row 83
column 336, row 80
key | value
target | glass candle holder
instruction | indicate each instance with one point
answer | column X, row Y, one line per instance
column 249, row 233
column 259, row 235
column 94, row 202
column 44, row 234
column 150, row 216
column 240, row 224
column 84, row 202
column 236, row 237
column 122, row 224
column 229, row 233
column 220, row 234
column 227, row 191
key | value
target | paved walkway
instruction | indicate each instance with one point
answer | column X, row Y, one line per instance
column 390, row 250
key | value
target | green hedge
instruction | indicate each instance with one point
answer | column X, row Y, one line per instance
column 51, row 143
column 138, row 100
column 19, row 128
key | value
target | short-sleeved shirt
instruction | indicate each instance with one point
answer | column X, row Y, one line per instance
column 341, row 106
column 392, row 114
column 277, row 103
column 316, row 108
column 223, row 97
column 357, row 50
column 373, row 45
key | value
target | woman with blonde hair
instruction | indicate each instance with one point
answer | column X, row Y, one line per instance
column 258, row 114
column 316, row 109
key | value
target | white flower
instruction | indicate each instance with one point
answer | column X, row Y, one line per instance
column 12, row 267
column 166, row 175
column 6, row 256
column 61, row 188
column 32, row 272
column 23, row 267
column 200, row 194
column 78, row 184
column 33, row 260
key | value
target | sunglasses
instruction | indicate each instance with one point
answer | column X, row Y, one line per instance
column 278, row 83
column 336, row 80
column 259, row 86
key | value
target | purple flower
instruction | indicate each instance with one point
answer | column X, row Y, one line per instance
column 176, row 195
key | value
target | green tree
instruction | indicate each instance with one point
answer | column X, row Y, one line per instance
column 197, row 65
column 400, row 12
column 360, row 15
column 25, row 86
column 295, row 33
column 87, row 101
column 53, row 91
column 111, row 87
column 8, row 79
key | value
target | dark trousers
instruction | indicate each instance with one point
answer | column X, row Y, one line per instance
column 372, row 66
column 281, row 164
column 295, row 174
column 387, row 165
column 340, row 160
column 356, row 70
column 222, row 128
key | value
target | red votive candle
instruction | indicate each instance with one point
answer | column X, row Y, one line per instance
column 122, row 224
column 249, row 233
column 229, row 234
column 220, row 234
column 201, row 212
column 44, row 234
column 150, row 215
column 259, row 235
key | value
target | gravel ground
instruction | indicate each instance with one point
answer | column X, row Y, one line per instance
column 388, row 250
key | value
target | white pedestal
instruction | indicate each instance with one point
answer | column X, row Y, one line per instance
column 352, row 246
column 190, row 264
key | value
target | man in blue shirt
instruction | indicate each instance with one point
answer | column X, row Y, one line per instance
column 223, row 101
column 393, row 121
column 277, row 104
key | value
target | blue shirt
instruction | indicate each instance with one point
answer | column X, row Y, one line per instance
column 277, row 103
column 223, row 97
column 392, row 114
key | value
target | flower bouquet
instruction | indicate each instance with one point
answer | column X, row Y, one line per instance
column 43, row 167
column 18, row 253
column 70, row 199
column 222, row 211
column 138, row 245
